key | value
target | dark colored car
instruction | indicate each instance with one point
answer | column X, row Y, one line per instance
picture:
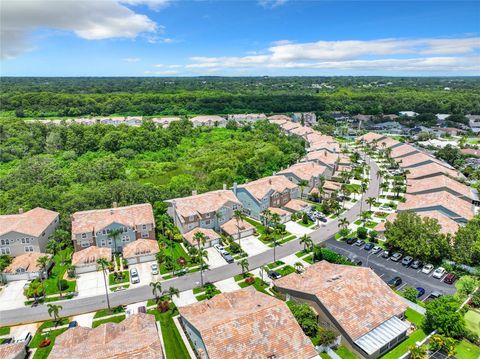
column 420, row 291
column 73, row 324
column 407, row 261
column 394, row 282
column 368, row 246
column 323, row 219
column 351, row 240
column 417, row 264
column 450, row 278
column 227, row 256
column 274, row 275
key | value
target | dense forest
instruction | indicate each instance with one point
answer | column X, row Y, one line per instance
column 52, row 97
column 74, row 168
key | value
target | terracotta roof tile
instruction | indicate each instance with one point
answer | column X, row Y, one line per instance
column 231, row 229
column 261, row 187
column 327, row 157
column 279, row 118
column 140, row 247
column 417, row 158
column 26, row 263
column 251, row 325
column 208, row 119
column 371, row 136
column 305, row 170
column 297, row 205
column 12, row 350
column 438, row 182
column 90, row 255
column 301, row 131
column 356, row 297
column 33, row 222
column 288, row 126
column 430, row 169
column 388, row 142
column 402, row 150
column 210, row 235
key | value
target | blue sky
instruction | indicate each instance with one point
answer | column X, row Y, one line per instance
column 235, row 38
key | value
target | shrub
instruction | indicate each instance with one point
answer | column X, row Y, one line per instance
column 344, row 232
column 410, row 294
column 326, row 336
column 250, row 280
column 362, row 232
column 305, row 317
column 163, row 306
column 305, row 218
column 44, row 343
column 235, row 248
column 475, row 301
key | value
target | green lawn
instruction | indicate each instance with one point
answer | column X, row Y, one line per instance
column 58, row 271
column 286, row 270
column 414, row 317
column 125, row 279
column 177, row 250
column 467, row 350
column 325, row 356
column 402, row 348
column 51, row 323
column 308, row 224
column 116, row 319
column 42, row 353
column 275, row 264
column 344, row 353
column 106, row 312
column 4, row 330
column 174, row 346
column 472, row 320
column 240, row 277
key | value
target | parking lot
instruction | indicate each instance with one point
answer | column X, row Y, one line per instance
column 387, row 269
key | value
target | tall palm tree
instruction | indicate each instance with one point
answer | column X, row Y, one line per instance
column 104, row 264
column 275, row 220
column 156, row 290
column 302, row 184
column 162, row 221
column 42, row 263
column 321, row 192
column 364, row 216
column 384, row 186
column 114, row 234
column 306, row 241
column 199, row 237
column 371, row 201
column 343, row 223
column 239, row 216
column 267, row 214
column 54, row 311
column 244, row 264
column 172, row 291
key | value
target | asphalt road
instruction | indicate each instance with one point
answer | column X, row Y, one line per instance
column 189, row 281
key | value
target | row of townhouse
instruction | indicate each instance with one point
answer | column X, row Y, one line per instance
column 434, row 188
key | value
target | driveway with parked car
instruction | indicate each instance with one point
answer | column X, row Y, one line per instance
column 388, row 269
column 215, row 259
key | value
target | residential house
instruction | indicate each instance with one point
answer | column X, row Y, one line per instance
column 403, row 150
column 206, row 210
column 283, row 215
column 372, row 137
column 419, row 159
column 387, row 142
column 289, row 126
column 236, row 230
column 474, row 122
column 431, row 170
column 165, row 121
column 135, row 337
column 354, row 302
column 25, row 267
column 452, row 131
column 279, row 119
column 327, row 159
column 470, row 152
column 311, row 172
column 452, row 206
column 407, row 113
column 441, row 183
column 301, row 131
column 329, row 187
column 316, row 136
column 326, row 146
column 27, row 232
column 297, row 206
column 14, row 350
column 211, row 237
column 247, row 118
column 272, row 191
column 208, row 121
column 86, row 259
column 244, row 324
column 95, row 227
column 388, row 126
column 140, row 251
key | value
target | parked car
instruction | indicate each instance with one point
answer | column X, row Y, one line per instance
column 406, row 261
column 420, row 291
column 396, row 256
column 385, row 208
column 450, row 278
column 180, row 272
column 386, row 254
column 376, row 249
column 432, row 296
column 227, row 256
column 394, row 282
column 351, row 240
column 134, row 278
column 439, row 272
column 427, row 268
column 323, row 219
column 368, row 246
column 359, row 242
column 416, row 264
column 154, row 267
column 7, row 340
column 219, row 247
column 274, row 274
column 24, row 337
column 73, row 324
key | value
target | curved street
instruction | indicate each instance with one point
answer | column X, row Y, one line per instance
column 190, row 281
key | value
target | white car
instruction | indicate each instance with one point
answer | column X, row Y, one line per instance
column 427, row 268
column 439, row 272
column 134, row 278
column 219, row 248
column 385, row 209
column 154, row 267
column 376, row 249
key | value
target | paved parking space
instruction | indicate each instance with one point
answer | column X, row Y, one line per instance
column 84, row 320
column 227, row 285
column 388, row 269
column 214, row 258
column 297, row 229
column 185, row 298
column 90, row 284
column 252, row 245
column 12, row 296
column 145, row 273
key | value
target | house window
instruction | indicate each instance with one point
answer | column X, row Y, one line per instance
column 28, row 249
column 4, row 250
column 144, row 227
column 103, row 243
column 234, row 207
column 84, row 235
column 125, row 238
column 4, row 242
column 144, row 234
column 110, row 242
column 108, row 230
column 25, row 240
column 104, row 232
column 207, row 222
column 85, row 244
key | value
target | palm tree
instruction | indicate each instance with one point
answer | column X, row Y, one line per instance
column 263, row 269
column 199, row 237
column 42, row 263
column 321, row 180
column 244, row 264
column 104, row 264
column 239, row 216
column 172, row 291
column 53, row 247
column 276, row 220
column 364, row 216
column 162, row 221
column 54, row 311
column 156, row 290
column 384, row 187
column 306, row 241
column 371, row 201
column 202, row 254
column 267, row 214
column 298, row 267
column 343, row 223
column 302, row 184
column 321, row 192
column 114, row 234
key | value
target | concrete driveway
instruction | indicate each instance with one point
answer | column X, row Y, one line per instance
column 145, row 273
column 297, row 229
column 227, row 285
column 90, row 284
column 12, row 295
column 252, row 245
column 214, row 260
column 185, row 298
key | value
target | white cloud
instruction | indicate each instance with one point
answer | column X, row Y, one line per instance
column 270, row 4
column 435, row 55
column 88, row 19
column 152, row 4
column 131, row 59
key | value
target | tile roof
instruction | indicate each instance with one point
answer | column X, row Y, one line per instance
column 231, row 229
column 331, row 146
column 402, row 150
column 210, row 235
column 251, row 325
column 33, row 222
column 12, row 350
column 140, row 247
column 470, row 151
column 438, row 199
column 97, row 219
column 297, row 205
column 279, row 118
column 430, row 169
column 261, row 187
column 319, row 137
column 204, row 203
column 327, row 157
column 279, row 211
column 207, row 119
column 416, row 158
column 301, row 131
column 305, row 170
column 135, row 337
column 288, row 126
column 90, row 255
column 165, row 121
column 26, row 263
column 438, row 182
column 371, row 136
column 332, row 186
column 389, row 142
column 356, row 297
column 449, row 226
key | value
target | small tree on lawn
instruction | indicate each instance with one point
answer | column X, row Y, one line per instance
column 239, row 217
column 42, row 262
column 442, row 315
column 244, row 264
column 306, row 241
column 156, row 290
column 199, row 237
column 410, row 294
column 371, row 201
column 54, row 311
